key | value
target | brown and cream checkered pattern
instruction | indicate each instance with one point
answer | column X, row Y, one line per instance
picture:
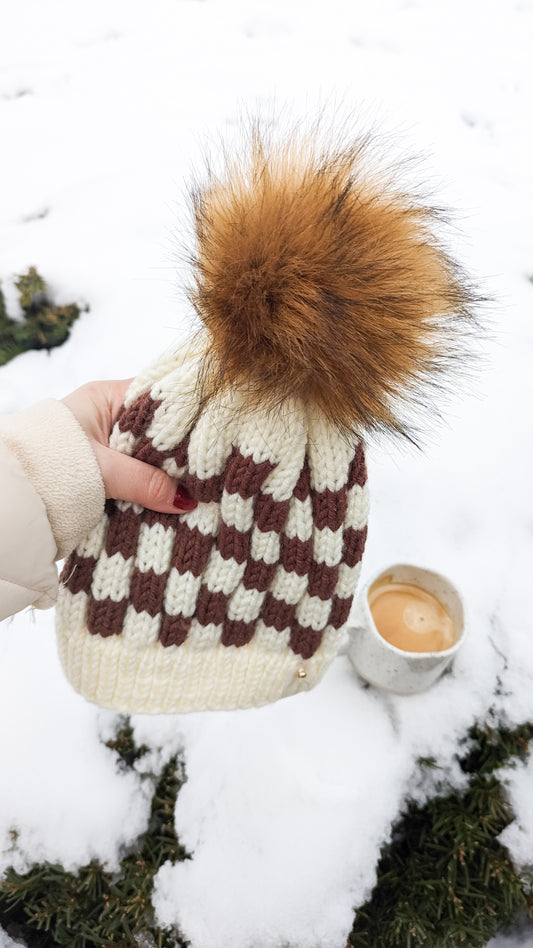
column 239, row 602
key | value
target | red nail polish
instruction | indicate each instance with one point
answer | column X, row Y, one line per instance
column 183, row 500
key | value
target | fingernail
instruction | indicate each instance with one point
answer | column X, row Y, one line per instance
column 183, row 500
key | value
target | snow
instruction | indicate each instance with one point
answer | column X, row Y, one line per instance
column 105, row 109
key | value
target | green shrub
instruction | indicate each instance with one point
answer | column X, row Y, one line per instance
column 445, row 880
column 48, row 906
column 43, row 324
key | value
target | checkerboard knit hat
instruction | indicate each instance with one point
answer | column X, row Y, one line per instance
column 327, row 306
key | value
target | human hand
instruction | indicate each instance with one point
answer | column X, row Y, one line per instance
column 96, row 406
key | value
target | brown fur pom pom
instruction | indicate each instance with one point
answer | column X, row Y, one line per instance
column 319, row 279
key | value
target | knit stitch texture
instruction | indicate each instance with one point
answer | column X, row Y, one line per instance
column 244, row 599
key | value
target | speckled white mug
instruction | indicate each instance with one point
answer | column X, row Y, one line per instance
column 392, row 668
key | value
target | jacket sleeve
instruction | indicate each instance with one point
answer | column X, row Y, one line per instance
column 51, row 495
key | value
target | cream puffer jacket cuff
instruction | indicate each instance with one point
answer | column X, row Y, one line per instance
column 51, row 495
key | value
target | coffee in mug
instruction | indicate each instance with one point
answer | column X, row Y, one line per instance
column 408, row 625
column 410, row 617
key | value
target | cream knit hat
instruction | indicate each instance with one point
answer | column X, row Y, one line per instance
column 325, row 302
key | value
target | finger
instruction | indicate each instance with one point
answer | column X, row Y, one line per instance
column 96, row 405
column 128, row 479
column 117, row 390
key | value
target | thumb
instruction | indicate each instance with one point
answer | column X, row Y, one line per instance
column 126, row 478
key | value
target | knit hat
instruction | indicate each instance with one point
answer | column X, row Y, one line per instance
column 327, row 304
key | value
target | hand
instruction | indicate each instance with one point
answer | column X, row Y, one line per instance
column 96, row 406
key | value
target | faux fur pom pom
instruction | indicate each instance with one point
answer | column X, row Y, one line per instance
column 319, row 278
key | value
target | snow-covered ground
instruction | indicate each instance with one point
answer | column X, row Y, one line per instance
column 104, row 110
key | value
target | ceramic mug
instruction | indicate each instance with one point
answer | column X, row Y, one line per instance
column 392, row 668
